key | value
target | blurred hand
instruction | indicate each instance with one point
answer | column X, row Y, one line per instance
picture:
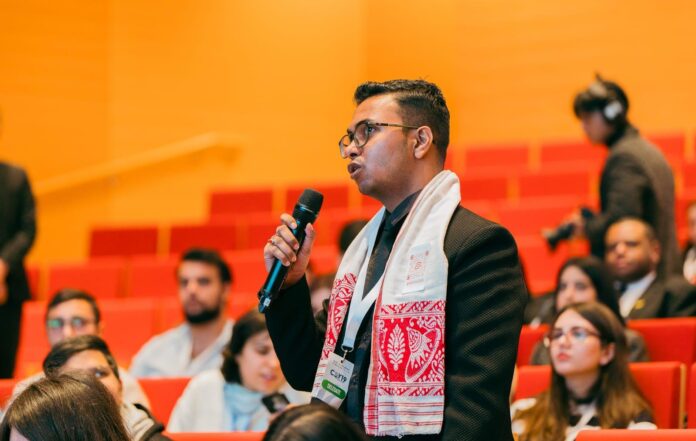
column 3, row 293
column 578, row 223
column 284, row 246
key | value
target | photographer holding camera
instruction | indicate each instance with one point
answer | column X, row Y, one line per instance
column 636, row 180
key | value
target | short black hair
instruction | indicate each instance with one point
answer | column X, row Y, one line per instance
column 211, row 257
column 64, row 350
column 67, row 294
column 248, row 325
column 313, row 422
column 421, row 103
column 649, row 229
column 598, row 95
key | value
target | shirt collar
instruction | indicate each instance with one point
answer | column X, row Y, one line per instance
column 394, row 218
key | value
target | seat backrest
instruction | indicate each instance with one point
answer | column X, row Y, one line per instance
column 123, row 241
column 528, row 339
column 691, row 399
column 229, row 436
column 102, row 277
column 6, row 387
column 637, row 435
column 672, row 339
column 163, row 394
column 660, row 382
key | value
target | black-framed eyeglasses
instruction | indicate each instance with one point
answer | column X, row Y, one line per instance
column 362, row 133
column 77, row 323
column 576, row 334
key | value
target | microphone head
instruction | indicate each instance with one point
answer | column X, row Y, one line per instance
column 311, row 200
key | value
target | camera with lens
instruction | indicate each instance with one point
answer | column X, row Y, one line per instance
column 565, row 231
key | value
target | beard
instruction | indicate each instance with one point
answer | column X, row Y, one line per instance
column 203, row 316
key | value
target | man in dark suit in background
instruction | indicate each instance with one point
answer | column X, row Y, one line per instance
column 636, row 179
column 396, row 144
column 17, row 232
column 633, row 256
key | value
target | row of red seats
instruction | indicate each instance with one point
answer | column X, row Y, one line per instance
column 153, row 276
column 662, row 383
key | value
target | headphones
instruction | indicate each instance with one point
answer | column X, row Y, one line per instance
column 600, row 90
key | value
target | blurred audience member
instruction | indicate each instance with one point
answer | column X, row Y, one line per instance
column 72, row 312
column 230, row 398
column 636, row 179
column 90, row 354
column 74, row 407
column 320, row 291
column 17, row 233
column 632, row 256
column 313, row 422
column 689, row 261
column 591, row 384
column 586, row 279
column 349, row 231
column 196, row 345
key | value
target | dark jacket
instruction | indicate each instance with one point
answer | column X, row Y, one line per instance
column 486, row 296
column 637, row 181
column 671, row 297
column 17, row 227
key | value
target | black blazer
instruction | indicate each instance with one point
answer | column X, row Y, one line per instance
column 637, row 181
column 17, row 227
column 673, row 297
column 486, row 296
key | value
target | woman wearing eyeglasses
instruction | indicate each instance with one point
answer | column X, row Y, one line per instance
column 591, row 385
column 586, row 279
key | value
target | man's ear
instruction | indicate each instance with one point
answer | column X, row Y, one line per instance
column 423, row 142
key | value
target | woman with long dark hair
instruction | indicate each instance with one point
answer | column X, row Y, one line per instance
column 230, row 398
column 591, row 384
column 586, row 279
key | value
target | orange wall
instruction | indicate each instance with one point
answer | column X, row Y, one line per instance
column 87, row 81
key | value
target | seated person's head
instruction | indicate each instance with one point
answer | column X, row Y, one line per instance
column 313, row 422
column 204, row 282
column 585, row 279
column 87, row 354
column 320, row 290
column 249, row 358
column 631, row 249
column 349, row 231
column 72, row 312
column 74, row 407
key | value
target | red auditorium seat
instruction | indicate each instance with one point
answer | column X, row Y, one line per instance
column 637, row 435
column 335, row 195
column 531, row 215
column 672, row 145
column 220, row 236
column 34, row 276
column 255, row 230
column 248, row 270
column 571, row 154
column 163, row 394
column 555, row 183
column 528, row 339
column 128, row 325
column 102, row 277
column 691, row 399
column 483, row 188
column 689, row 176
column 661, row 382
column 668, row 339
column 123, row 241
column 152, row 276
column 499, row 158
column 238, row 202
column 6, row 387
column 229, row 436
column 540, row 264
column 33, row 345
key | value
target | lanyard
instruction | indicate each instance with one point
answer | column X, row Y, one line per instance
column 359, row 305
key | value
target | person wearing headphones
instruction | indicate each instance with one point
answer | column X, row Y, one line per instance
column 636, row 180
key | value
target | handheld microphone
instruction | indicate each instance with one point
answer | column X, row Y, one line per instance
column 305, row 212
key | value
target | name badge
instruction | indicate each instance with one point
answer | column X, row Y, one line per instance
column 334, row 384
